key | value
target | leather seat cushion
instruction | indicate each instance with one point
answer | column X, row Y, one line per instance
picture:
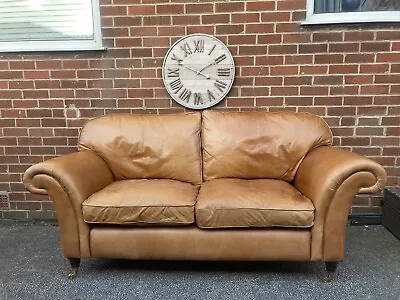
column 226, row 203
column 142, row 202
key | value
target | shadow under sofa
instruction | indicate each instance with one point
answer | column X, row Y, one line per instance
column 214, row 185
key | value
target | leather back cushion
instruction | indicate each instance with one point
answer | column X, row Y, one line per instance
column 147, row 146
column 252, row 145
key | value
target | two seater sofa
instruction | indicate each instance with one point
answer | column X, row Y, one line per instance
column 253, row 186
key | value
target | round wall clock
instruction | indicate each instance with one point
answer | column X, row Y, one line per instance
column 198, row 71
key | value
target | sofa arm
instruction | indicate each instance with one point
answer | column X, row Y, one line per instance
column 69, row 180
column 331, row 177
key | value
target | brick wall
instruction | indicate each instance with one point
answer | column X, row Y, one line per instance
column 349, row 74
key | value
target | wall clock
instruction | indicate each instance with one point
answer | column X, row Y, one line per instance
column 198, row 71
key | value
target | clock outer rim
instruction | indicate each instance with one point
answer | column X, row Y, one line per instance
column 229, row 87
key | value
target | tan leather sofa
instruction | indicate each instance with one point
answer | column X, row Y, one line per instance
column 205, row 186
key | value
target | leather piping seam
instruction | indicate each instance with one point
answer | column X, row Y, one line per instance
column 262, row 209
column 147, row 206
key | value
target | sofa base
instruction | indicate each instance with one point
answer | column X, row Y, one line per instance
column 192, row 243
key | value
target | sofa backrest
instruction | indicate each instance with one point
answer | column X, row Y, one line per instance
column 253, row 145
column 147, row 146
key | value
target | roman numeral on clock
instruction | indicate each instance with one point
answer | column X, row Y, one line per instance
column 220, row 85
column 211, row 97
column 185, row 95
column 176, row 58
column 198, row 46
column 186, row 48
column 173, row 72
column 220, row 58
column 212, row 49
column 224, row 72
column 198, row 99
column 176, row 85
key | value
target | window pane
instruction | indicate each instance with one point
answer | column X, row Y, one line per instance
column 45, row 20
column 332, row 6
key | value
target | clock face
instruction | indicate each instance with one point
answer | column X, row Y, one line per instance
column 198, row 71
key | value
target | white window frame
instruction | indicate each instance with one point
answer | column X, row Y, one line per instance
column 345, row 17
column 67, row 45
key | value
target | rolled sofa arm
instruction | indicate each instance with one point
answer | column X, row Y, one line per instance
column 69, row 180
column 331, row 177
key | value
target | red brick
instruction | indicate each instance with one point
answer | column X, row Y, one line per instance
column 359, row 35
column 374, row 68
column 357, row 100
column 292, row 38
column 304, row 59
column 344, row 47
column 185, row 20
column 313, row 90
column 269, row 17
column 388, row 57
column 291, row 5
column 298, row 101
column 167, row 9
column 287, row 27
column 113, row 10
column 297, row 80
column 10, row 94
column 128, row 42
column 387, row 78
column 375, row 47
column 284, row 91
column 259, row 28
column 269, row 60
column 245, row 18
column 11, row 75
column 343, row 69
column 260, row 5
column 284, row 70
column 256, row 91
column 327, row 37
column 369, row 131
column 371, row 110
column 328, row 80
column 229, row 29
column 359, row 58
column 36, row 74
column 282, row 49
column 269, row 38
column 22, row 65
column 374, row 89
column 199, row 8
column 229, row 7
column 358, row 79
column 141, row 9
column 334, row 101
column 253, row 50
column 313, row 70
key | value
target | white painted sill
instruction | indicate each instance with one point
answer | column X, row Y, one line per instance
column 352, row 17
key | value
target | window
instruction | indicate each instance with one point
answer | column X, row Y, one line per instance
column 352, row 11
column 49, row 25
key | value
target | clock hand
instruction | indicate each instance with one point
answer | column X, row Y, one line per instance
column 197, row 72
column 206, row 66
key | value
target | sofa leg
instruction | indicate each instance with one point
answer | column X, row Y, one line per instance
column 74, row 267
column 330, row 270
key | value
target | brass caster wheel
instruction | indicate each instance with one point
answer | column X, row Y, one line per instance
column 328, row 278
column 330, row 271
column 74, row 267
column 73, row 274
